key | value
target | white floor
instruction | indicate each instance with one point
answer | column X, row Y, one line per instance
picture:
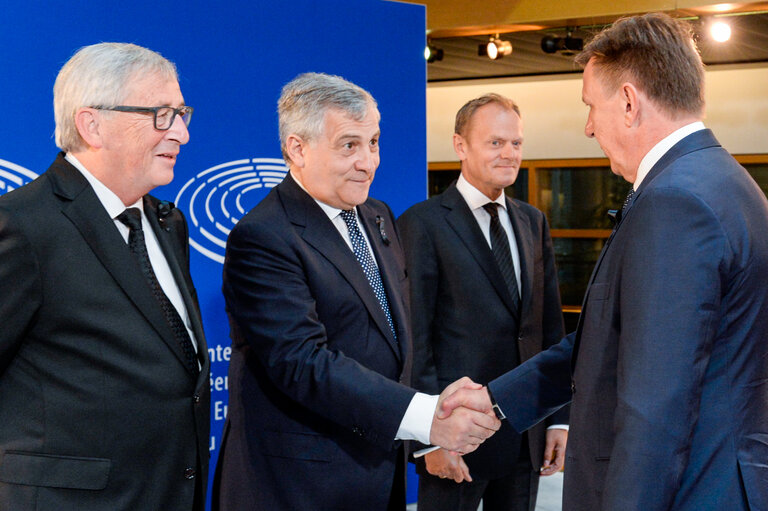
column 550, row 494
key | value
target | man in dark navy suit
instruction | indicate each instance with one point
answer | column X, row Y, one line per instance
column 104, row 388
column 668, row 367
column 315, row 286
column 484, row 297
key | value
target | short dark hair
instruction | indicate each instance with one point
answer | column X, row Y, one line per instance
column 465, row 113
column 657, row 53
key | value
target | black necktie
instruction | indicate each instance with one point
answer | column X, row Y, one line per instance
column 132, row 218
column 363, row 256
column 502, row 253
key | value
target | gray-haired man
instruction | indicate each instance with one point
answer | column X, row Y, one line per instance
column 104, row 394
column 314, row 282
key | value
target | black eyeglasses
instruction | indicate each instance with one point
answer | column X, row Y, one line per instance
column 163, row 115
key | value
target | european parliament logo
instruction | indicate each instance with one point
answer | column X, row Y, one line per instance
column 13, row 176
column 216, row 198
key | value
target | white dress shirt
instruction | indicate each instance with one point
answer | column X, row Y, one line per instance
column 114, row 207
column 476, row 199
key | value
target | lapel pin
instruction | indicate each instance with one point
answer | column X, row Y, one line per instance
column 380, row 223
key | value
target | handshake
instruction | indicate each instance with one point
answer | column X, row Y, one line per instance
column 464, row 417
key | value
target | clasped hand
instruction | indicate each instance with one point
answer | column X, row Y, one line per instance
column 463, row 418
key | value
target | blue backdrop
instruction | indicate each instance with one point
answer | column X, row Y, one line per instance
column 233, row 57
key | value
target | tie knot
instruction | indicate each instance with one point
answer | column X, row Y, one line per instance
column 492, row 208
column 131, row 217
column 349, row 217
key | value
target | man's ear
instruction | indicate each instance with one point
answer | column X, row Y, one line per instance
column 88, row 124
column 295, row 146
column 460, row 146
column 630, row 97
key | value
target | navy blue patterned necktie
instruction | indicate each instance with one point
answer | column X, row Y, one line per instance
column 628, row 200
column 363, row 256
column 502, row 253
column 132, row 218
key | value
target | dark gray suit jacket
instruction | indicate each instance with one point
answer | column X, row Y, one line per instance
column 463, row 320
column 97, row 409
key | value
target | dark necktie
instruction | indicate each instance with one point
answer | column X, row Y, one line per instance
column 363, row 256
column 132, row 218
column 502, row 253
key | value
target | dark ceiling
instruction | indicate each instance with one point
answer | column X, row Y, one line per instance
column 748, row 44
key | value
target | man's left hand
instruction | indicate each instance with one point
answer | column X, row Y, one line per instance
column 554, row 452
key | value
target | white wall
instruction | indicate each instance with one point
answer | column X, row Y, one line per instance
column 553, row 114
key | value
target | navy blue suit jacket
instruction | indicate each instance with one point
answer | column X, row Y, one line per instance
column 669, row 362
column 462, row 314
column 315, row 394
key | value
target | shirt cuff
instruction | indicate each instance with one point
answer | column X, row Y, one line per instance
column 559, row 426
column 417, row 421
column 426, row 450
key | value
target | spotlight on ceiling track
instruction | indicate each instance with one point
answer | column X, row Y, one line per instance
column 496, row 48
column 567, row 45
column 720, row 31
column 432, row 53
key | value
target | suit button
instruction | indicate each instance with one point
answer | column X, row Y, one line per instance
column 197, row 398
column 573, row 387
column 520, row 338
column 189, row 473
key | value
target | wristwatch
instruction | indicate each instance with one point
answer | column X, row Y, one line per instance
column 499, row 414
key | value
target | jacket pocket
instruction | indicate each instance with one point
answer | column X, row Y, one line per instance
column 54, row 471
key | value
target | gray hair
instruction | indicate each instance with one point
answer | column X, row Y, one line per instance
column 100, row 74
column 305, row 100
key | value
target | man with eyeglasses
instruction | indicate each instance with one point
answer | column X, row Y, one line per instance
column 104, row 394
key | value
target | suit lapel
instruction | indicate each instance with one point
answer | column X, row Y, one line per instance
column 521, row 226
column 319, row 232
column 463, row 222
column 86, row 212
column 165, row 237
column 695, row 141
column 389, row 270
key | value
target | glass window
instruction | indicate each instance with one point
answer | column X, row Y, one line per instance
column 578, row 198
column 759, row 172
column 575, row 259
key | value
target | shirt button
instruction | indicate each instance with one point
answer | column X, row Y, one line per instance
column 573, row 387
column 189, row 473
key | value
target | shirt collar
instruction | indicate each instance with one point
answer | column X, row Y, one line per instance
column 475, row 198
column 660, row 149
column 107, row 197
column 328, row 210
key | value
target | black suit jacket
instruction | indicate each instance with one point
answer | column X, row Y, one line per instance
column 97, row 409
column 464, row 322
column 315, row 399
column 670, row 380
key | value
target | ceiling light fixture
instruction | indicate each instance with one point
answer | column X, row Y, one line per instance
column 720, row 31
column 567, row 45
column 496, row 48
column 432, row 53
